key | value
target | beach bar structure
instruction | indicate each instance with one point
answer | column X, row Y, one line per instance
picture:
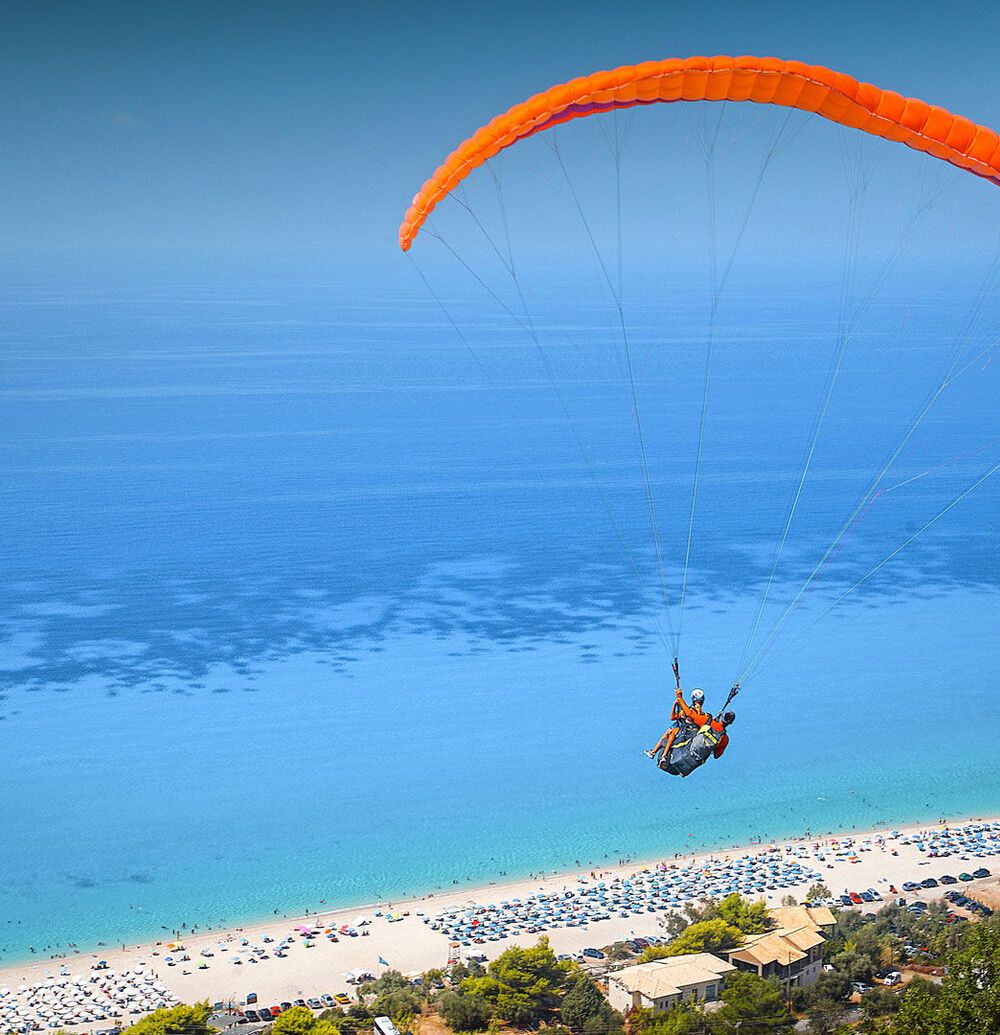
column 660, row 984
column 792, row 952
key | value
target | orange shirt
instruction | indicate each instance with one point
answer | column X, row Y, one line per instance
column 697, row 717
column 720, row 748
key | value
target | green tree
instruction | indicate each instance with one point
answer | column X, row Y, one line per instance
column 878, row 1002
column 300, row 1021
column 751, row 1005
column 390, row 981
column 585, row 1009
column 826, row 1017
column 706, row 936
column 969, row 1000
column 653, row 952
column 606, row 1022
column 400, row 1004
column 831, row 986
column 464, row 1012
column 750, row 917
column 857, row 966
column 522, row 984
column 918, row 1009
column 582, row 1002
column 178, row 1020
column 817, row 891
column 845, row 930
column 682, row 1019
column 673, row 923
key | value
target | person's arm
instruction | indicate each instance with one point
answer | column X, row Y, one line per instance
column 689, row 712
column 720, row 748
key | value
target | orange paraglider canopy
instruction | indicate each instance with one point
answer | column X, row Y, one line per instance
column 792, row 84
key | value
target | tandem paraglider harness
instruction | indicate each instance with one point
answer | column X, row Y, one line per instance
column 691, row 749
column 693, row 744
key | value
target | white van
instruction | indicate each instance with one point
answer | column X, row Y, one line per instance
column 384, row 1026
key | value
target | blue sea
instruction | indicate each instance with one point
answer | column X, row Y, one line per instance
column 307, row 599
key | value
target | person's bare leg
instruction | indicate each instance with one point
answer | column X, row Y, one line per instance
column 664, row 744
column 653, row 751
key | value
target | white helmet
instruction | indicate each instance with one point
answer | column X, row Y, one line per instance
column 697, row 695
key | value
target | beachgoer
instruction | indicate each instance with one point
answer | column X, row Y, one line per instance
column 694, row 716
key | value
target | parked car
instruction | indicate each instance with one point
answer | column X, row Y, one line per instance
column 314, row 1004
column 251, row 997
column 947, row 878
column 845, row 900
column 287, row 1006
column 594, row 954
column 328, row 1000
column 980, row 873
column 252, row 1015
column 860, row 987
column 965, row 877
column 910, row 886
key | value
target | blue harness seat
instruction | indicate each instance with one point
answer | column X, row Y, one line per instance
column 692, row 748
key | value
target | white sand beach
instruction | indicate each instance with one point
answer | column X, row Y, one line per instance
column 401, row 934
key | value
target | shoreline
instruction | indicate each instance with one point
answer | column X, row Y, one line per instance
column 391, row 935
column 475, row 887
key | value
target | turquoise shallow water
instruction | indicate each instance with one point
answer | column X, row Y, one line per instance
column 300, row 606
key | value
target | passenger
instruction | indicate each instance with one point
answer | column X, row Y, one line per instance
column 693, row 716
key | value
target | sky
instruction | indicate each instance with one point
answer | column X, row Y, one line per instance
column 242, row 132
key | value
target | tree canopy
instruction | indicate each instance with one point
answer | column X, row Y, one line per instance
column 523, row 985
column 752, row 1005
column 585, row 1009
column 177, row 1020
column 300, row 1021
column 969, row 999
column 706, row 936
column 464, row 1012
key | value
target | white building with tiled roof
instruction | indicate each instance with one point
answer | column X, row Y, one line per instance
column 660, row 984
